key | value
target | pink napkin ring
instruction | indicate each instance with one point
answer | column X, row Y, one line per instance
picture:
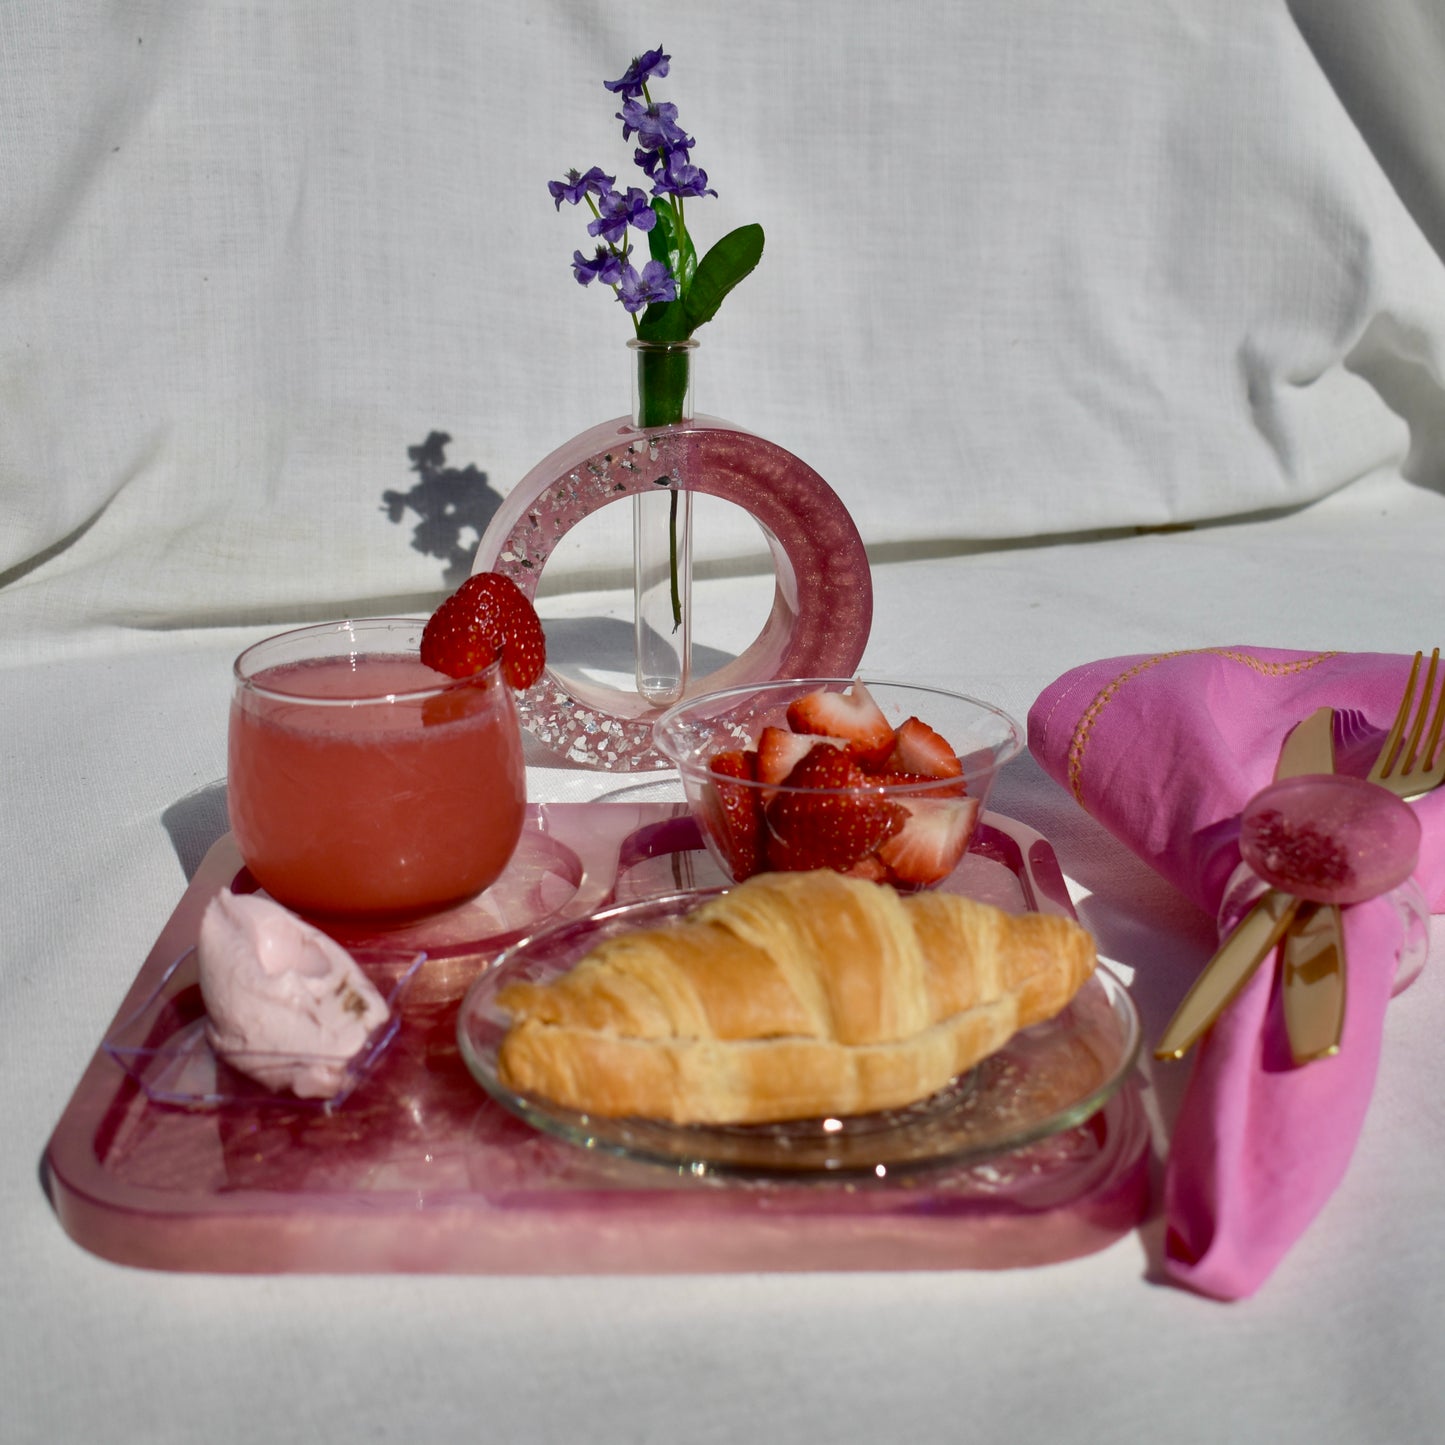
column 1322, row 838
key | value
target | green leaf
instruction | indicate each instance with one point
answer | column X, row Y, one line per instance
column 662, row 243
column 665, row 322
column 719, row 271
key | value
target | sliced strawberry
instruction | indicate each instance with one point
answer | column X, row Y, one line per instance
column 827, row 829
column 732, row 812
column 486, row 616
column 881, row 779
column 931, row 843
column 870, row 868
column 924, row 786
column 918, row 749
column 852, row 715
column 780, row 751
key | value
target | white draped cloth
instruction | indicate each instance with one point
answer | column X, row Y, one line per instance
column 1117, row 328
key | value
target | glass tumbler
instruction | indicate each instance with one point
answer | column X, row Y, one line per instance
column 360, row 782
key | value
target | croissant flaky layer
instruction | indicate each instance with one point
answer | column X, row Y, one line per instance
column 792, row 996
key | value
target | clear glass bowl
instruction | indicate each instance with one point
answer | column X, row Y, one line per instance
column 983, row 737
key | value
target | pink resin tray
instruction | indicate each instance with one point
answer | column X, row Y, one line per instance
column 419, row 1170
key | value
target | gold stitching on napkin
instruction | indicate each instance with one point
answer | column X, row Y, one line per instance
column 1080, row 740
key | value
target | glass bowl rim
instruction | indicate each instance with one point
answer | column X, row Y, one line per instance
column 1004, row 753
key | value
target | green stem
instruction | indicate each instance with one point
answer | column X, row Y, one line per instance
column 662, row 379
column 681, row 237
column 597, row 216
column 676, row 205
column 672, row 558
column 661, row 386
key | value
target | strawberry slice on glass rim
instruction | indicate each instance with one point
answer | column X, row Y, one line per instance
column 487, row 617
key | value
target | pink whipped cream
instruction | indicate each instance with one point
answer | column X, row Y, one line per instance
column 286, row 1005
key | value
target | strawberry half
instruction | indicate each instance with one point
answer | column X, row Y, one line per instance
column 833, row 829
column 918, row 749
column 486, row 616
column 732, row 813
column 931, row 842
column 780, row 751
column 853, row 716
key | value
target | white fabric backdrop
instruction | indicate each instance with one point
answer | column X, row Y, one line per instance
column 1031, row 269
column 1097, row 265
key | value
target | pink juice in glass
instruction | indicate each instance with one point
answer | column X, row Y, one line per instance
column 361, row 782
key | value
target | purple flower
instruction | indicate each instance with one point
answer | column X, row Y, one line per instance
column 656, row 126
column 642, row 69
column 681, row 178
column 655, row 284
column 617, row 210
column 605, row 266
column 576, row 186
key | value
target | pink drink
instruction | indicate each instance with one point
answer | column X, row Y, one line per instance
column 365, row 782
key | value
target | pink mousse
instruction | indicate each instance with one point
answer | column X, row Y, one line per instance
column 286, row 1005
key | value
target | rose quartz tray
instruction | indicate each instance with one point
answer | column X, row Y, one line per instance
column 420, row 1171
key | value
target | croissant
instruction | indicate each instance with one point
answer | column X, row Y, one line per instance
column 793, row 996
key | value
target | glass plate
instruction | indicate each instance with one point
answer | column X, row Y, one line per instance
column 1046, row 1079
column 163, row 1045
column 542, row 877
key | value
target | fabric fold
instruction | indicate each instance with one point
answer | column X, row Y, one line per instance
column 1165, row 750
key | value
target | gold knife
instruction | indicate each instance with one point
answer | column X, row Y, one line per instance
column 1313, row 962
column 1228, row 971
column 1259, row 931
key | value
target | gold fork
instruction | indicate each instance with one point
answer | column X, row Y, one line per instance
column 1405, row 766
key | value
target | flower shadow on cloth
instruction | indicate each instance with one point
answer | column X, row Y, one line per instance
column 452, row 504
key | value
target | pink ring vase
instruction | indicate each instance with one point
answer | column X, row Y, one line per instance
column 823, row 595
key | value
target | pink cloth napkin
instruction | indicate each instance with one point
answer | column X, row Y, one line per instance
column 1165, row 751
